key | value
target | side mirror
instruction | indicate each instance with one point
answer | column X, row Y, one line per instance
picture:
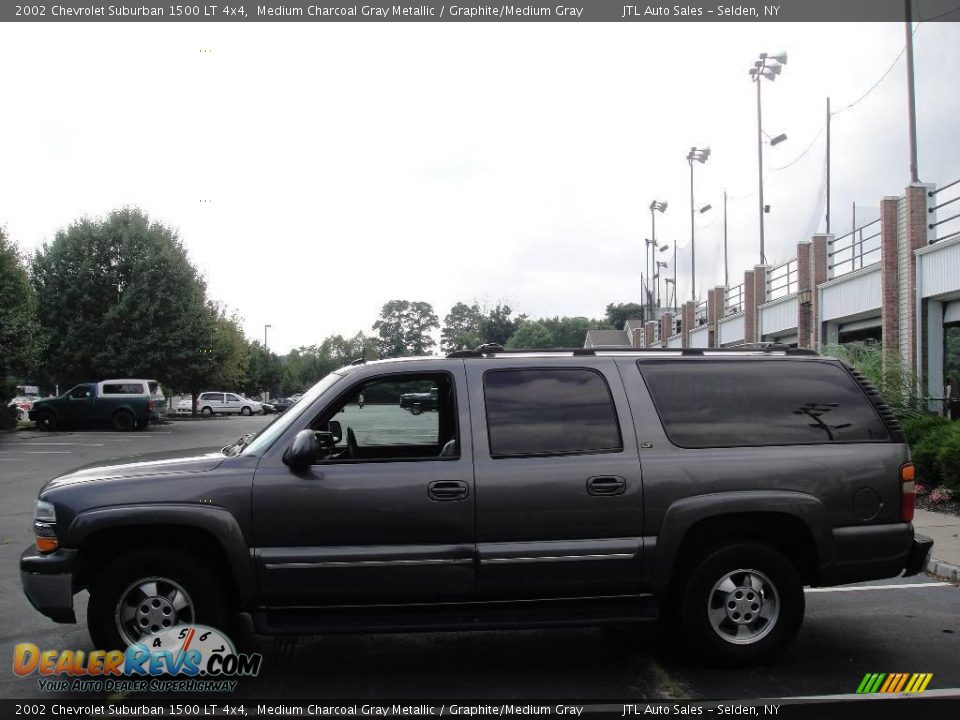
column 336, row 432
column 303, row 452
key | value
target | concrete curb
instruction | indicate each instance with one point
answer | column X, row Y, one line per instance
column 943, row 570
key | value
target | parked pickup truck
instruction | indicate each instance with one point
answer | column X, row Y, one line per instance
column 416, row 403
column 125, row 404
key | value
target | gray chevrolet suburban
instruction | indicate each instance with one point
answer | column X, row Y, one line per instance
column 706, row 487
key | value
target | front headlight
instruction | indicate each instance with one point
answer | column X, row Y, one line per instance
column 45, row 527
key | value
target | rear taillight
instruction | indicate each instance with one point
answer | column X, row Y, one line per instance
column 150, row 405
column 908, row 492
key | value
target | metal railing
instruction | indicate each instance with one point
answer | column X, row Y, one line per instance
column 733, row 300
column 700, row 314
column 656, row 332
column 677, row 326
column 954, row 228
column 782, row 280
column 850, row 252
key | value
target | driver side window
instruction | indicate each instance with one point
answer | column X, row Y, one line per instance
column 393, row 417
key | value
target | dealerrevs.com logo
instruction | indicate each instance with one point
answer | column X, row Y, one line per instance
column 184, row 658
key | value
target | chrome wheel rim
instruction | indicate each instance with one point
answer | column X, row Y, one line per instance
column 152, row 604
column 743, row 606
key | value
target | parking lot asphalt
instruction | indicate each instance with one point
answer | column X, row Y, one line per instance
column 899, row 625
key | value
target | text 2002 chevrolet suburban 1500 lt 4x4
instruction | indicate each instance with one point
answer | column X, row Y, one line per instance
column 550, row 487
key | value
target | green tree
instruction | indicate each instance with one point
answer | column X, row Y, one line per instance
column 461, row 328
column 570, row 332
column 264, row 370
column 404, row 328
column 497, row 326
column 18, row 325
column 531, row 334
column 119, row 297
column 618, row 314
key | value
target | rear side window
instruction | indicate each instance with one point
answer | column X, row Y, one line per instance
column 734, row 404
column 549, row 411
column 123, row 389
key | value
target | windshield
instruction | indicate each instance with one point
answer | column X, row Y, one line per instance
column 266, row 437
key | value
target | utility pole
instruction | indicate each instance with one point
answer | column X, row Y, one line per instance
column 693, row 251
column 911, row 94
column 828, row 166
column 726, row 267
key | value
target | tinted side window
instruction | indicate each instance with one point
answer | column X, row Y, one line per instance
column 763, row 402
column 123, row 389
column 549, row 411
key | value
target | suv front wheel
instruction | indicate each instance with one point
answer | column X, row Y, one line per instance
column 148, row 590
column 742, row 603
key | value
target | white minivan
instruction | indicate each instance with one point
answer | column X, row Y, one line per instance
column 210, row 403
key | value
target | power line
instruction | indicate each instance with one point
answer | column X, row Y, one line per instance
column 805, row 151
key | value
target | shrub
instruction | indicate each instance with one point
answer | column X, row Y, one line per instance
column 899, row 385
column 926, row 450
column 948, row 459
column 8, row 417
column 916, row 428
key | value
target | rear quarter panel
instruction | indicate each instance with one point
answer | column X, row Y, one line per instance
column 830, row 474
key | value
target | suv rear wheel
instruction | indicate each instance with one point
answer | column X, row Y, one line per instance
column 742, row 603
column 208, row 411
column 149, row 590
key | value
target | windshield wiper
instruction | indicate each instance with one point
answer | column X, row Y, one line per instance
column 232, row 450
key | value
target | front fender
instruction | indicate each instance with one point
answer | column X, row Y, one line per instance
column 214, row 520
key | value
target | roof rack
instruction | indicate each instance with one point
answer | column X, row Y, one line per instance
column 492, row 350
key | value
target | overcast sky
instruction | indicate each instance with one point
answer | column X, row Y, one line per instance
column 352, row 164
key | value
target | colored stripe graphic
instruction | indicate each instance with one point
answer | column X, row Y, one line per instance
column 891, row 683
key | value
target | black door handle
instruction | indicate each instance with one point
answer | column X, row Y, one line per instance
column 606, row 485
column 448, row 490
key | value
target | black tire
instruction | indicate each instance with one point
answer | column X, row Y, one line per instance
column 246, row 410
column 208, row 411
column 163, row 567
column 124, row 421
column 769, row 619
column 416, row 410
column 47, row 422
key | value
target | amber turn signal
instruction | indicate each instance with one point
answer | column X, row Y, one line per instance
column 47, row 544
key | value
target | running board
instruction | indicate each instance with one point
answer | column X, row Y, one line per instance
column 498, row 615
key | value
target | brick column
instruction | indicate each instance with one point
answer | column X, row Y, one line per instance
column 636, row 337
column 760, row 273
column 712, row 337
column 804, row 296
column 686, row 322
column 818, row 266
column 666, row 327
column 889, row 284
column 649, row 332
column 916, row 238
column 749, row 308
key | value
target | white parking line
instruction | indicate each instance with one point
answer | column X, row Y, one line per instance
column 878, row 587
column 935, row 693
column 47, row 452
column 60, row 443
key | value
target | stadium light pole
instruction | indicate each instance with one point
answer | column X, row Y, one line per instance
column 700, row 155
column 655, row 207
column 768, row 66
